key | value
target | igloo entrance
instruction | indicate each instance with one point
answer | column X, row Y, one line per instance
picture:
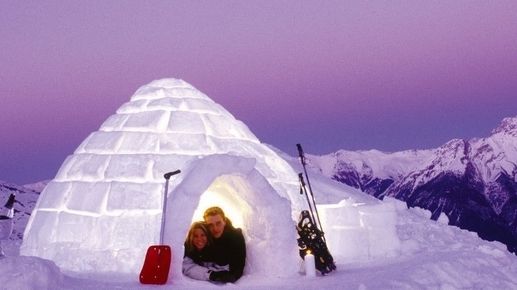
column 226, row 192
column 248, row 200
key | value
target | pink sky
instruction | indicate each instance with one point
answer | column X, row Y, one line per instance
column 390, row 75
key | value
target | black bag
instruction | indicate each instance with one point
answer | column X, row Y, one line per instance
column 312, row 239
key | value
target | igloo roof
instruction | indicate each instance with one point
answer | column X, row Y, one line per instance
column 167, row 114
column 166, row 122
column 112, row 185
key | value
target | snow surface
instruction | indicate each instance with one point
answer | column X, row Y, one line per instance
column 431, row 255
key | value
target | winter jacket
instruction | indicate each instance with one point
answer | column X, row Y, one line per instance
column 198, row 264
column 230, row 249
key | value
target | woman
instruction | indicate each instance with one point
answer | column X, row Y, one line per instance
column 197, row 261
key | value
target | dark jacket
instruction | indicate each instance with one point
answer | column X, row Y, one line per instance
column 199, row 264
column 230, row 249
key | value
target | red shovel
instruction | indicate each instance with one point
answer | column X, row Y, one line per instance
column 158, row 258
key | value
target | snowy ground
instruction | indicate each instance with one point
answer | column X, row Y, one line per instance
column 432, row 256
column 415, row 253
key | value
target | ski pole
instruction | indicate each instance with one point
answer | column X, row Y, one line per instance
column 304, row 190
column 302, row 159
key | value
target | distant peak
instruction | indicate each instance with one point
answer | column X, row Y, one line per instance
column 508, row 126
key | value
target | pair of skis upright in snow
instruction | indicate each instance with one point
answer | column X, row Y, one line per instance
column 312, row 237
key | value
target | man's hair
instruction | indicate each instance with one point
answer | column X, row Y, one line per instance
column 215, row 210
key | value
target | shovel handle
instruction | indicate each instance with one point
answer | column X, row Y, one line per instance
column 169, row 174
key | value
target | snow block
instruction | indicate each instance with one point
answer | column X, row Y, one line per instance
column 40, row 230
column 150, row 93
column 138, row 142
column 128, row 167
column 144, row 230
column 71, row 227
column 133, row 107
column 339, row 215
column 203, row 106
column 114, row 122
column 348, row 243
column 168, row 103
column 86, row 166
column 54, row 195
column 188, row 144
column 88, row 197
column 378, row 216
column 186, row 122
column 354, row 231
column 101, row 142
column 126, row 196
column 231, row 130
column 150, row 121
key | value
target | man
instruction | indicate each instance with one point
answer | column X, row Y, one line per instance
column 228, row 245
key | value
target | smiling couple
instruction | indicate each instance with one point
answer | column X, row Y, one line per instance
column 214, row 249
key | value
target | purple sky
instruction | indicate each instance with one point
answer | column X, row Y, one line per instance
column 332, row 75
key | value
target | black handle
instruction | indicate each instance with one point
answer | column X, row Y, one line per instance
column 300, row 153
column 169, row 174
column 300, row 150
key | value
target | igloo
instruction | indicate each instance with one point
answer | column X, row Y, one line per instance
column 104, row 207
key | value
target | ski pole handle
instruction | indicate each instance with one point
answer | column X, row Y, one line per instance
column 300, row 153
column 169, row 174
column 300, row 150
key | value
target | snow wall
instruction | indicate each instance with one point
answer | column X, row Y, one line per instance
column 103, row 209
column 359, row 231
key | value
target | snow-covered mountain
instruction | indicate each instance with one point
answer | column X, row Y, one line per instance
column 26, row 198
column 473, row 181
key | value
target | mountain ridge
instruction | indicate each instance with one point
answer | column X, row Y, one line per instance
column 473, row 181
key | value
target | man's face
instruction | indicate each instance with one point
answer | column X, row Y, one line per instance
column 215, row 224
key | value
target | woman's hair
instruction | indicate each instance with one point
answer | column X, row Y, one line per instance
column 189, row 243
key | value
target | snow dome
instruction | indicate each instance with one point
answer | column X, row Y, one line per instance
column 103, row 209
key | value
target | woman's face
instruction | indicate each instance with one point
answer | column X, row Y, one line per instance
column 199, row 239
